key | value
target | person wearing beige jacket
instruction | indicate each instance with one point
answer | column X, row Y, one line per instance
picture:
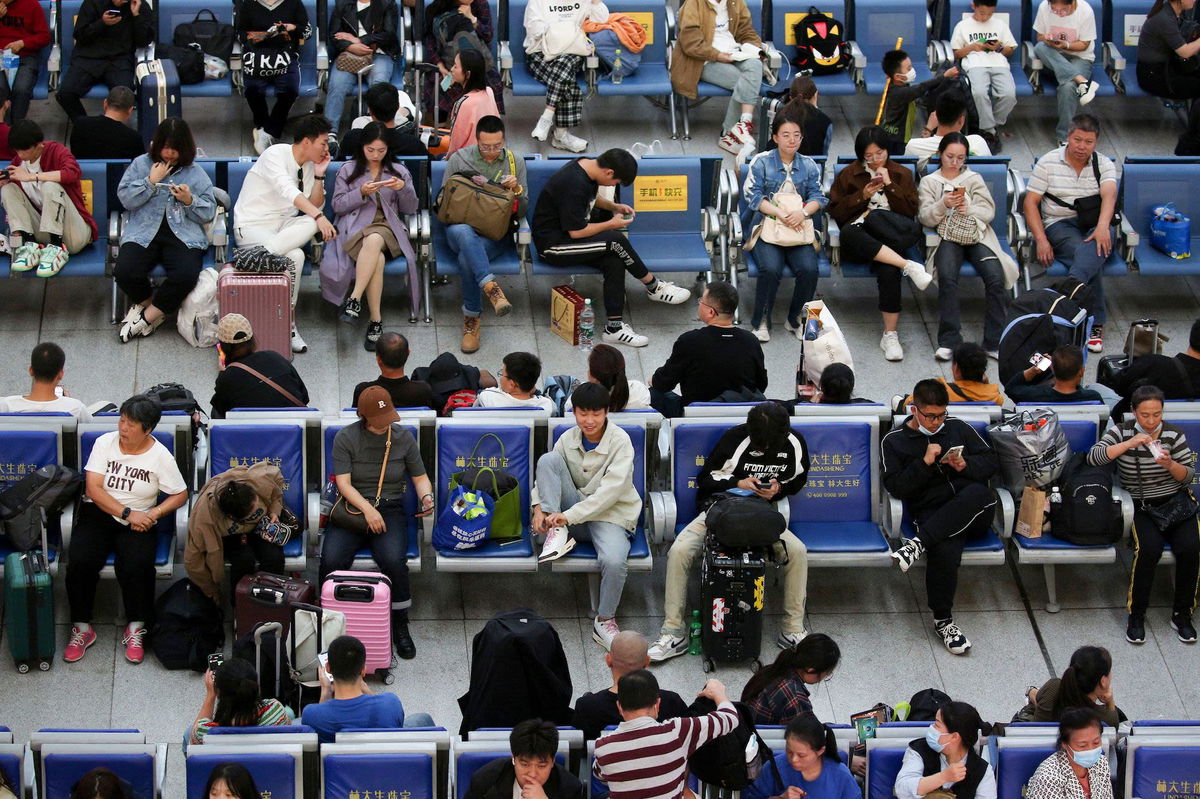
column 224, row 521
column 717, row 43
column 584, row 489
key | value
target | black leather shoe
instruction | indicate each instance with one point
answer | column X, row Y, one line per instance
column 405, row 647
column 1135, row 631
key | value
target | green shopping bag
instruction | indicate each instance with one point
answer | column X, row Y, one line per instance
column 501, row 486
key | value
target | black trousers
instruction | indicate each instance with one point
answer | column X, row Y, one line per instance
column 945, row 531
column 248, row 554
column 1148, row 542
column 609, row 252
column 859, row 246
column 83, row 73
column 97, row 535
column 181, row 263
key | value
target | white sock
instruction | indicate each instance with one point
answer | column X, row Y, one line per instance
column 548, row 115
column 747, row 117
column 83, row 628
column 134, row 626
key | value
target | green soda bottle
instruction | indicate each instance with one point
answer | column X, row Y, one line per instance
column 694, row 634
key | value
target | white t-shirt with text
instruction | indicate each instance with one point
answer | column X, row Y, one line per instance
column 134, row 480
column 970, row 30
column 1078, row 26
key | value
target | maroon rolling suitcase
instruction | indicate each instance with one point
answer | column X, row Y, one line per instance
column 265, row 300
column 268, row 597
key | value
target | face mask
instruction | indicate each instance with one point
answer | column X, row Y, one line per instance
column 1088, row 757
column 933, row 737
column 447, row 82
column 1151, row 432
column 923, row 428
column 911, row 75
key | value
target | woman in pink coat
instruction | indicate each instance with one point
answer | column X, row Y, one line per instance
column 370, row 197
column 477, row 101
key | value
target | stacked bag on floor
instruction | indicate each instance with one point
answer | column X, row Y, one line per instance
column 1043, row 320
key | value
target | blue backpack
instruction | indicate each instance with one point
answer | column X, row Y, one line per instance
column 607, row 43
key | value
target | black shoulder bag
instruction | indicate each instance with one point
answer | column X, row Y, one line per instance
column 1087, row 209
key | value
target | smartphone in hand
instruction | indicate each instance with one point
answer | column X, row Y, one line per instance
column 1039, row 360
column 953, row 452
column 215, row 660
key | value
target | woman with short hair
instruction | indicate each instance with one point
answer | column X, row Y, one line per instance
column 1079, row 766
column 946, row 759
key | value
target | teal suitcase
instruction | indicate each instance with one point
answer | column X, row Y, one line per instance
column 29, row 610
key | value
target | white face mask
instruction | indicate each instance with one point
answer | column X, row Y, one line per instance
column 925, row 430
column 911, row 75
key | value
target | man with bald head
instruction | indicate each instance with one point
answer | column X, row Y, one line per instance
column 595, row 711
column 391, row 354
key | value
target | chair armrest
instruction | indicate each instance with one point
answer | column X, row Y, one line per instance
column 857, row 56
column 710, row 224
column 727, row 188
column 505, row 52
column 893, row 515
column 313, row 530
column 146, row 53
column 115, row 224
column 1006, row 513
column 662, row 517
column 591, row 62
column 672, row 32
column 736, row 235
column 220, row 228
column 54, row 64
column 1114, row 62
column 774, row 57
column 412, row 225
column 425, row 232
column 1131, row 237
column 181, row 526
column 1126, row 509
column 322, row 65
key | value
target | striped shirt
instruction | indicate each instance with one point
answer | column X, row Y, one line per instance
column 1053, row 174
column 647, row 759
column 270, row 713
column 1154, row 482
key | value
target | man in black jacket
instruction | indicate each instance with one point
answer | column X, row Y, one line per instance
column 939, row 468
column 107, row 32
column 531, row 772
column 711, row 361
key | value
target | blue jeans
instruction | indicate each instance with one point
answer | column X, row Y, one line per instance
column 341, row 82
column 801, row 261
column 21, row 90
column 475, row 254
column 1081, row 260
column 389, row 549
column 1065, row 68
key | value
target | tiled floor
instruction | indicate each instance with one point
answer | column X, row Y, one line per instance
column 877, row 615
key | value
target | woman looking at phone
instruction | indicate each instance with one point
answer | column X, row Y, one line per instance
column 1156, row 466
column 956, row 202
column 169, row 200
column 370, row 198
column 231, row 699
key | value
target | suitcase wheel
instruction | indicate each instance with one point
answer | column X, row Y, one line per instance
column 23, row 667
column 708, row 666
column 44, row 665
column 386, row 675
column 756, row 665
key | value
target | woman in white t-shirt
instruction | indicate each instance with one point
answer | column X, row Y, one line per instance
column 127, row 471
column 1065, row 31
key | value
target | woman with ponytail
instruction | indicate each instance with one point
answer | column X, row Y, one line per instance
column 606, row 366
column 778, row 693
column 231, row 699
column 809, row 763
column 1087, row 683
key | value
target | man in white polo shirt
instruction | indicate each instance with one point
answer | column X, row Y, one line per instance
column 281, row 202
column 1060, row 178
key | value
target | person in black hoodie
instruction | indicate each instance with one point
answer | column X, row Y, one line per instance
column 946, row 758
column 106, row 34
column 368, row 32
column 271, row 32
column 939, row 468
column 530, row 772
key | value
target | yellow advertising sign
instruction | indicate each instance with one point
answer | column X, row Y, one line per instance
column 86, row 186
column 660, row 193
column 646, row 20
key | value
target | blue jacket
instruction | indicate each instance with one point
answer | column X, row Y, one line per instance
column 147, row 204
column 767, row 174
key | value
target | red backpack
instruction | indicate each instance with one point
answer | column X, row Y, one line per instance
column 463, row 398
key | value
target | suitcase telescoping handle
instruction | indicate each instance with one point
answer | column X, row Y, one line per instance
column 259, row 631
column 360, row 577
column 319, row 612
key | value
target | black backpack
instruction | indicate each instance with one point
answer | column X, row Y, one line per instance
column 189, row 61
column 722, row 761
column 188, row 627
column 740, row 521
column 925, row 704
column 1084, row 511
column 215, row 38
column 52, row 488
column 821, row 46
column 1042, row 321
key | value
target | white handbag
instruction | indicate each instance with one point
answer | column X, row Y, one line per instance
column 829, row 347
column 198, row 315
column 773, row 231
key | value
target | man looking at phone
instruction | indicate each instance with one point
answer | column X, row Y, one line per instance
column 107, row 32
column 939, row 468
column 42, row 195
column 984, row 43
column 765, row 458
column 1065, row 368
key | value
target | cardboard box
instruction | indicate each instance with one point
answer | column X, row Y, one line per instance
column 565, row 306
column 1032, row 513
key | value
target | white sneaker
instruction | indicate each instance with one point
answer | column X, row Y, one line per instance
column 625, row 336
column 298, row 344
column 762, row 333
column 603, row 632
column 890, row 344
column 668, row 292
column 789, row 640
column 1087, row 91
column 730, row 144
column 943, row 353
column 132, row 315
column 542, row 129
column 666, row 647
column 136, row 325
column 915, row 272
column 262, row 140
column 566, row 140
column 743, row 132
column 558, row 543
column 746, row 153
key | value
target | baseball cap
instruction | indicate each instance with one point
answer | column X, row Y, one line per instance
column 375, row 406
column 234, row 329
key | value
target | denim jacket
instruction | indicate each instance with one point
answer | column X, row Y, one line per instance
column 767, row 174
column 147, row 204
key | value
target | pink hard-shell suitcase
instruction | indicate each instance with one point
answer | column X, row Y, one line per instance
column 365, row 598
column 265, row 300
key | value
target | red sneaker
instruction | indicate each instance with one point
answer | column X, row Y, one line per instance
column 78, row 644
column 135, row 652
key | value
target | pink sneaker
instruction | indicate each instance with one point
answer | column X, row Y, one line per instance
column 135, row 652
column 78, row 644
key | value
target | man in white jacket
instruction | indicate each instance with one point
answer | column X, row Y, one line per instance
column 585, row 489
column 555, row 47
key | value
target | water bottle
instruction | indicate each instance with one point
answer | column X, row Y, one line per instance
column 174, row 210
column 617, row 77
column 1055, row 496
column 10, row 61
column 587, row 326
column 329, row 495
column 812, row 326
column 694, row 634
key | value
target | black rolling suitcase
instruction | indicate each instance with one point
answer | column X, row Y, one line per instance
column 159, row 96
column 732, row 589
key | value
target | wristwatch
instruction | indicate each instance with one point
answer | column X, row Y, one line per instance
column 125, row 513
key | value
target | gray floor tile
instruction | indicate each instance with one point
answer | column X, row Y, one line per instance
column 24, row 304
column 443, row 649
column 1181, row 659
column 546, row 593
column 147, row 685
column 842, row 590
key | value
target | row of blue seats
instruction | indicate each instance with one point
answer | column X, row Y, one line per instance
column 429, row 763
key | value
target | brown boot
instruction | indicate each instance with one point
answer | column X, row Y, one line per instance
column 500, row 303
column 470, row 339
